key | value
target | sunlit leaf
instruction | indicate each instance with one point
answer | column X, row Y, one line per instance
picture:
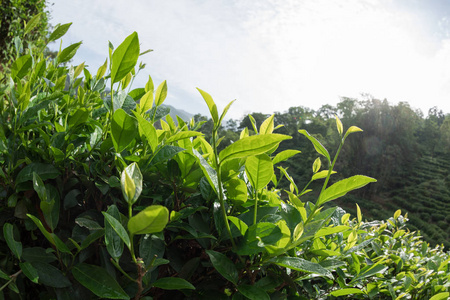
column 124, row 57
column 284, row 155
column 251, row 145
column 131, row 182
column 59, row 31
column 152, row 219
column 161, row 93
column 259, row 170
column 67, row 53
column 344, row 186
column 267, row 126
column 317, row 145
column 211, row 105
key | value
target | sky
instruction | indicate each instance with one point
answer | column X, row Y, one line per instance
column 270, row 55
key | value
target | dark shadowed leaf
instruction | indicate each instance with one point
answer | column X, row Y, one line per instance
column 253, row 292
column 50, row 275
column 14, row 246
column 173, row 283
column 98, row 281
column 223, row 265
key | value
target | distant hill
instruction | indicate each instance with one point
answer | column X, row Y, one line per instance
column 174, row 112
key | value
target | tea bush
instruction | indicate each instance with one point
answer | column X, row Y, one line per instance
column 106, row 196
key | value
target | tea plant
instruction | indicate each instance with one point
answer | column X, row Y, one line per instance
column 106, row 196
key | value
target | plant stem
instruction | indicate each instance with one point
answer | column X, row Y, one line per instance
column 13, row 278
column 256, row 208
column 330, row 170
column 220, row 191
column 120, row 269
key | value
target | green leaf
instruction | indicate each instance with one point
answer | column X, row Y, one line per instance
column 316, row 165
column 259, row 170
column 14, row 246
column 149, row 246
column 182, row 135
column 369, row 271
column 344, row 186
column 236, row 190
column 45, row 171
column 50, row 207
column 352, row 129
column 225, row 110
column 267, row 126
column 92, row 237
column 166, row 153
column 125, row 57
column 291, row 215
column 98, row 281
column 146, row 101
column 253, row 292
column 29, row 271
column 118, row 228
column 123, row 129
column 21, row 66
column 149, row 85
column 321, row 175
column 284, row 155
column 38, row 254
column 67, row 53
column 173, row 283
column 240, row 225
column 300, row 264
column 345, row 292
column 59, row 31
column 317, row 145
column 211, row 105
column 50, row 275
column 253, row 121
column 258, row 236
column 440, row 296
column 339, row 126
column 208, row 171
column 32, row 23
column 51, row 237
column 79, row 117
column 251, row 145
column 152, row 219
column 114, row 243
column 4, row 275
column 331, row 230
column 131, row 182
column 161, row 93
column 223, row 265
column 39, row 187
column 148, row 130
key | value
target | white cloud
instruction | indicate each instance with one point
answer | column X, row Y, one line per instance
column 270, row 55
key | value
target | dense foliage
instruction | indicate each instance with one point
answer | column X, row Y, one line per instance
column 23, row 26
column 407, row 152
column 103, row 198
